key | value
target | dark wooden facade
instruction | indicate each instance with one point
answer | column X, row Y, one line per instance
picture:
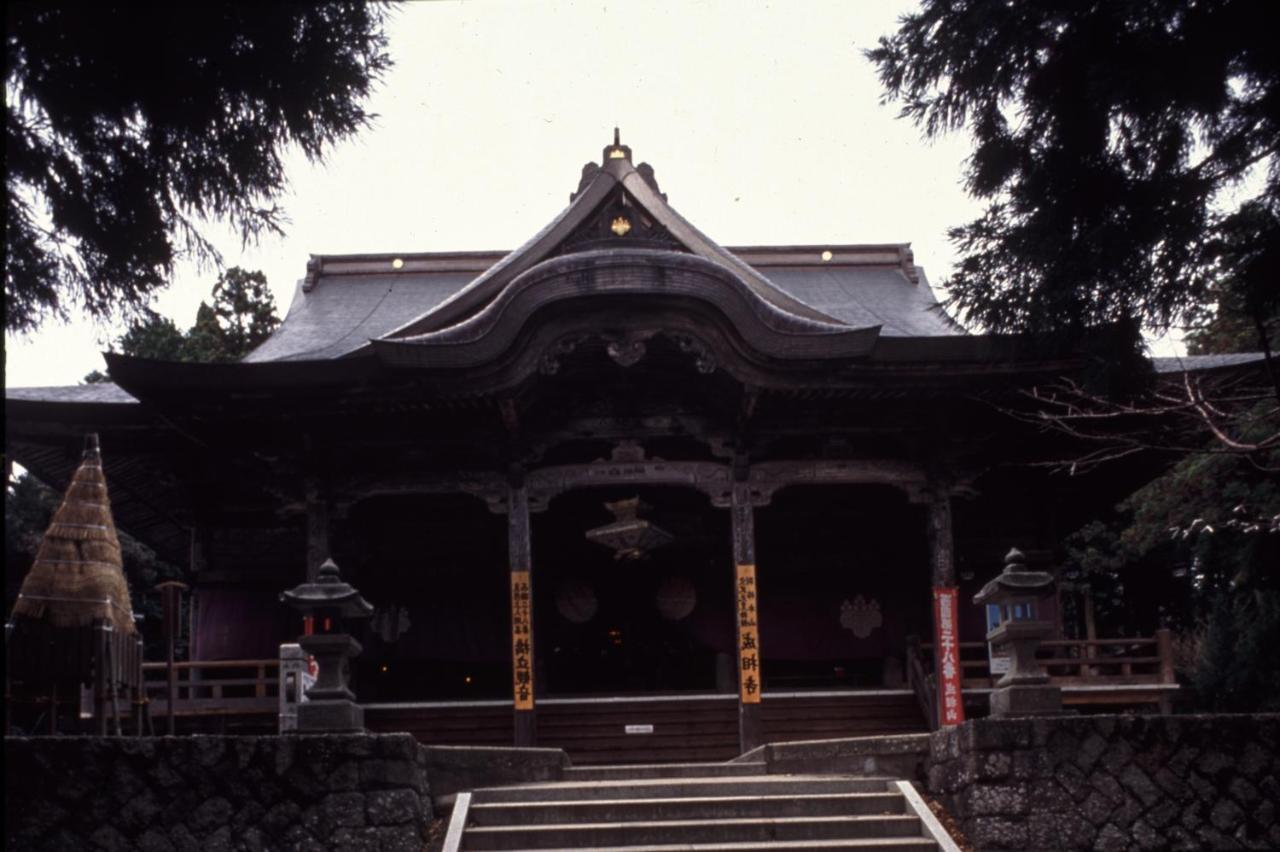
column 435, row 422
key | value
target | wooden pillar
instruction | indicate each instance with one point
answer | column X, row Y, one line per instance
column 519, row 554
column 943, row 576
column 171, row 609
column 8, row 682
column 942, row 558
column 101, row 674
column 317, row 529
column 1164, row 649
column 750, row 681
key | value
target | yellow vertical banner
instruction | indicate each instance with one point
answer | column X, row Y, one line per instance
column 521, row 640
column 749, row 684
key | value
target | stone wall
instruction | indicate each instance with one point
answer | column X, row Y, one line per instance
column 165, row 794
column 1112, row 782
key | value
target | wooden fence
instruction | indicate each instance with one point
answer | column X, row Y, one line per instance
column 215, row 687
column 1112, row 672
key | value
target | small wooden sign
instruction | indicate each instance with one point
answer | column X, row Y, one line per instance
column 638, row 729
column 521, row 640
column 946, row 634
column 749, row 684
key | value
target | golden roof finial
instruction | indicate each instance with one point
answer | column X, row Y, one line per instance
column 617, row 151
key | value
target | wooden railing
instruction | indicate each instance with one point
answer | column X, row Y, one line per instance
column 1125, row 672
column 214, row 687
column 921, row 682
column 1072, row 662
column 1132, row 670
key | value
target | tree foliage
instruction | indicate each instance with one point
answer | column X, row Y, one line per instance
column 1127, row 152
column 242, row 315
column 1197, row 549
column 128, row 125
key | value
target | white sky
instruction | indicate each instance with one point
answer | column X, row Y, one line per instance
column 763, row 122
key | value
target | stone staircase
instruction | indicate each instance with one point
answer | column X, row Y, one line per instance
column 722, row 806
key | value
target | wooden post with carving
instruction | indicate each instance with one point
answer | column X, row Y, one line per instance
column 750, row 681
column 519, row 553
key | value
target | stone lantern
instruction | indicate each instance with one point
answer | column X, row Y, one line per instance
column 330, row 704
column 1025, row 689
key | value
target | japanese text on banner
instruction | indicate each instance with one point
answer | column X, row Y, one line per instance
column 749, row 682
column 521, row 640
column 947, row 639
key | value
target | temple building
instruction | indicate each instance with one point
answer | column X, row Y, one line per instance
column 621, row 490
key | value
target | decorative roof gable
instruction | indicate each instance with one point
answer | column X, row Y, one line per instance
column 617, row 206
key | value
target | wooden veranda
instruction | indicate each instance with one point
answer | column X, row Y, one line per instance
column 1101, row 674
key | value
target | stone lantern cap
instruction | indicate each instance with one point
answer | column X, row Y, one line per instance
column 328, row 592
column 1016, row 581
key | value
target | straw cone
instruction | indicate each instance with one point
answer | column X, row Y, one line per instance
column 77, row 576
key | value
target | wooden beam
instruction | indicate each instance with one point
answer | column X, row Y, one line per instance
column 709, row 477
column 712, row 478
column 768, row 477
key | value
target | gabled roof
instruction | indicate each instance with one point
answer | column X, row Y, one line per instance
column 625, row 195
column 348, row 304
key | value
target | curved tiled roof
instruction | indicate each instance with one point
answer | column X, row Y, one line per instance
column 336, row 317
column 348, row 301
column 863, row 296
column 98, row 392
column 353, row 300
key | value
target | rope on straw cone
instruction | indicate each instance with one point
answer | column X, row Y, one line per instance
column 78, row 577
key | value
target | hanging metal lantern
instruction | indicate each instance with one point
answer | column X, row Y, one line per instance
column 630, row 537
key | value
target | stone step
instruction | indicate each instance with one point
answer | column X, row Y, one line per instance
column 866, row 844
column 685, row 808
column 662, row 770
column 670, row 788
column 669, row 832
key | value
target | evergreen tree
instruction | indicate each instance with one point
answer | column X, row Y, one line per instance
column 128, row 124
column 1127, row 152
column 242, row 315
column 1198, row 549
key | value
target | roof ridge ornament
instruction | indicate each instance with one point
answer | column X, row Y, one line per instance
column 616, row 151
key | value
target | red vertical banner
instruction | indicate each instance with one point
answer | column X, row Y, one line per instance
column 946, row 638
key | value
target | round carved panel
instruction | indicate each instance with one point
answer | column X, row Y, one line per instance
column 676, row 597
column 576, row 601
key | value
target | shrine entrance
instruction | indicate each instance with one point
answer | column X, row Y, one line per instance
column 844, row 580
column 615, row 619
column 631, row 592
